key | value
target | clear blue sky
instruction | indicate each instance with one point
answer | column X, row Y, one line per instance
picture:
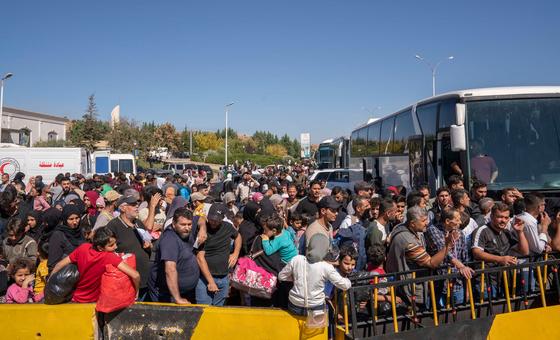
column 290, row 66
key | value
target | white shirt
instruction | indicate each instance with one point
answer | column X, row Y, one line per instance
column 381, row 228
column 470, row 228
column 317, row 275
column 537, row 241
column 347, row 221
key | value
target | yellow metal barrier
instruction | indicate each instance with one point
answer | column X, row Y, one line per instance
column 394, row 309
column 506, row 290
column 434, row 308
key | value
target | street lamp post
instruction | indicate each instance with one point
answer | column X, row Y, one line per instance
column 434, row 68
column 5, row 77
column 227, row 111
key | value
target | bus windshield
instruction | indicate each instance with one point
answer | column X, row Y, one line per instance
column 326, row 154
column 515, row 143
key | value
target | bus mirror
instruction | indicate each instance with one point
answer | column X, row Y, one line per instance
column 458, row 141
column 460, row 113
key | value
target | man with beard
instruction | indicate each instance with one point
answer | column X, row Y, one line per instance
column 175, row 273
column 493, row 243
column 354, row 233
column 290, row 203
column 126, row 228
column 443, row 201
column 67, row 194
column 308, row 205
column 378, row 230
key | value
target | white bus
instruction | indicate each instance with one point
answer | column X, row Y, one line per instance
column 515, row 128
column 333, row 153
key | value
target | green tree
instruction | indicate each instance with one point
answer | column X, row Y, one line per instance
column 165, row 135
column 124, row 136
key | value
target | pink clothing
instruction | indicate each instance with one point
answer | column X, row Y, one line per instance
column 17, row 294
column 40, row 204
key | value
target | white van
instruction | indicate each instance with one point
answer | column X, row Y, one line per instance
column 46, row 162
column 105, row 162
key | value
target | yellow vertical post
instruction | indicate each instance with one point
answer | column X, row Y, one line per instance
column 482, row 284
column 514, row 283
column 414, row 284
column 394, row 308
column 541, row 286
column 448, row 301
column 434, row 307
column 375, row 291
column 545, row 277
column 471, row 298
column 344, row 297
column 506, row 288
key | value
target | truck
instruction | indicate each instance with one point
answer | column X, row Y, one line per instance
column 46, row 162
column 49, row 162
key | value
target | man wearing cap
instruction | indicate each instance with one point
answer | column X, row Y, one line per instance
column 328, row 209
column 129, row 239
column 362, row 189
column 107, row 213
column 245, row 187
column 214, row 258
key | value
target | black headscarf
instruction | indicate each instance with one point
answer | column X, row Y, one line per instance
column 80, row 205
column 36, row 232
column 249, row 228
column 52, row 217
column 73, row 235
column 267, row 209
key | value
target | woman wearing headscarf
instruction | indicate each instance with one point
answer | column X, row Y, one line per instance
column 67, row 236
column 90, row 199
column 34, row 224
column 249, row 228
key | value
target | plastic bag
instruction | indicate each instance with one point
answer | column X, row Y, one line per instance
column 60, row 286
column 117, row 288
column 316, row 318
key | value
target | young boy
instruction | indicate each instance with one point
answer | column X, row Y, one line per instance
column 214, row 258
column 376, row 260
column 281, row 241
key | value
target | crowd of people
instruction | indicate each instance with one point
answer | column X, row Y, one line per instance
column 187, row 236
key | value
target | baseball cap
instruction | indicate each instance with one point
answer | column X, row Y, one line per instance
column 217, row 212
column 198, row 196
column 328, row 202
column 128, row 199
column 111, row 195
column 362, row 185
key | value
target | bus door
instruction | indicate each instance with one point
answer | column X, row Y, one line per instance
column 448, row 160
column 417, row 162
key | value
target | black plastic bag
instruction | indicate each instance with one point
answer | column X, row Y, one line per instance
column 61, row 285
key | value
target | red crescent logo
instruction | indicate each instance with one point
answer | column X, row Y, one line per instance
column 2, row 167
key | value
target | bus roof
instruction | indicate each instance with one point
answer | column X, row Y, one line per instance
column 475, row 93
column 498, row 91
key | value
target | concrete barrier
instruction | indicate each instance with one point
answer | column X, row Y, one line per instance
column 152, row 321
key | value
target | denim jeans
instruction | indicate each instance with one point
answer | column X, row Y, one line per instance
column 204, row 297
column 302, row 311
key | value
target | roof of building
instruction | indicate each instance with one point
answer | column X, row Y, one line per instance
column 35, row 114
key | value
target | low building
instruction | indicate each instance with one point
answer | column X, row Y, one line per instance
column 26, row 128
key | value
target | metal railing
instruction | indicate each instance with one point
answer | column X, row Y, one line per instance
column 430, row 299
